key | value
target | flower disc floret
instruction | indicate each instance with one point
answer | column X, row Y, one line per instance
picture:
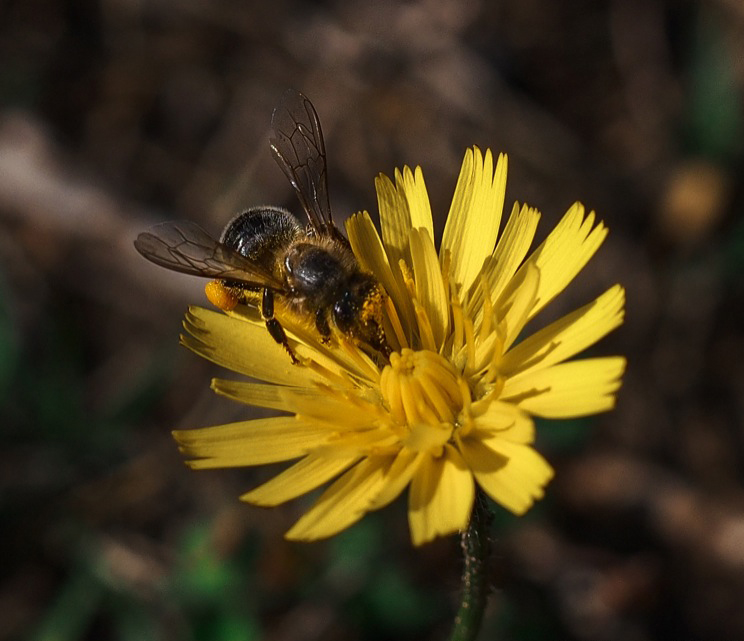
column 422, row 387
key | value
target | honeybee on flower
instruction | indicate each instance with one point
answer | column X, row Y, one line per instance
column 449, row 406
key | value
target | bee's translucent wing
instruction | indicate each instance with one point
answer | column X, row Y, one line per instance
column 185, row 247
column 298, row 148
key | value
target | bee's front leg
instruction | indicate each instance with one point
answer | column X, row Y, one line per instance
column 273, row 325
column 321, row 323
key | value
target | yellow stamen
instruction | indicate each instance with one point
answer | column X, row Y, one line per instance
column 426, row 334
column 409, row 398
column 446, row 265
column 390, row 388
column 437, row 397
column 458, row 321
column 470, row 344
column 407, row 274
column 487, row 314
column 364, row 362
column 342, row 380
column 464, row 394
column 424, row 391
column 425, row 405
column 395, row 324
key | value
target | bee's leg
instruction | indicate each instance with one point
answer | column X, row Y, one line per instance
column 321, row 322
column 379, row 342
column 273, row 325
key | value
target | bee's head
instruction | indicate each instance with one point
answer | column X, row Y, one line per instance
column 358, row 312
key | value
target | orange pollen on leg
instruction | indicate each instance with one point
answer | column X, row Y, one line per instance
column 221, row 296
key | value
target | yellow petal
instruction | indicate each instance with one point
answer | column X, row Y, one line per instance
column 418, row 200
column 425, row 437
column 507, row 257
column 256, row 442
column 259, row 394
column 461, row 199
column 474, row 217
column 441, row 497
column 346, row 409
column 399, row 475
column 430, row 290
column 304, row 476
column 395, row 218
column 343, row 503
column 565, row 251
column 517, row 300
column 368, row 248
column 510, row 473
column 577, row 388
column 507, row 421
column 242, row 347
column 362, row 442
column 567, row 336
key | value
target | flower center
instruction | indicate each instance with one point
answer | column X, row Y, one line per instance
column 423, row 390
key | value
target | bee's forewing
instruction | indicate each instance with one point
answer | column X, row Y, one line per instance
column 185, row 247
column 299, row 149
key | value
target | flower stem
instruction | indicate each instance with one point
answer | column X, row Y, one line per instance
column 476, row 548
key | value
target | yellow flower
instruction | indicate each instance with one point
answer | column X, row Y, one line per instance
column 453, row 407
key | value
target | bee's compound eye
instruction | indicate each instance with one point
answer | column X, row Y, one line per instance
column 220, row 296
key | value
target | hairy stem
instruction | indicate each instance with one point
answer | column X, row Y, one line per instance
column 476, row 549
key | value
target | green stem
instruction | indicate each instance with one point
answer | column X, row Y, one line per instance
column 476, row 548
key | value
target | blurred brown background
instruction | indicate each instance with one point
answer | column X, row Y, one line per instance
column 118, row 114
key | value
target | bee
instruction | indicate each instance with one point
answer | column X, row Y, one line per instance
column 265, row 254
